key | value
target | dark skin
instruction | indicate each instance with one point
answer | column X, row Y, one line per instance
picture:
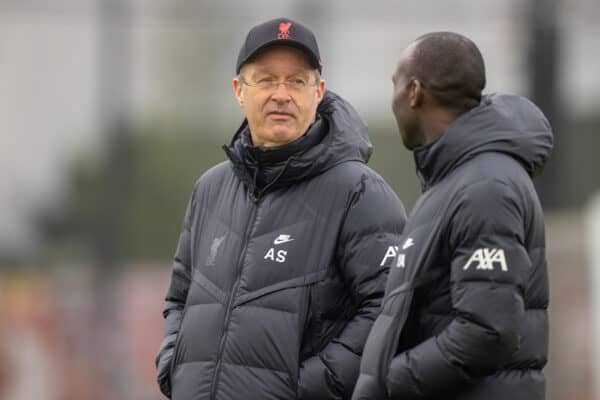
column 421, row 120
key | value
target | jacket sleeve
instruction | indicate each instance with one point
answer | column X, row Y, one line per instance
column 174, row 303
column 488, row 264
column 374, row 221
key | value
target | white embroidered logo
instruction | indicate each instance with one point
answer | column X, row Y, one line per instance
column 277, row 256
column 392, row 252
column 409, row 242
column 486, row 258
column 282, row 239
column 211, row 261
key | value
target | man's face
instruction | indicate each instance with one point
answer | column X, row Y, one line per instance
column 406, row 118
column 278, row 113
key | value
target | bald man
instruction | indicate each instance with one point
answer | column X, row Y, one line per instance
column 465, row 311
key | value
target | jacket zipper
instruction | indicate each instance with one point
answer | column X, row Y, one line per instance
column 213, row 389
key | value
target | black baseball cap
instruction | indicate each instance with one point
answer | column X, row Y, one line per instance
column 280, row 32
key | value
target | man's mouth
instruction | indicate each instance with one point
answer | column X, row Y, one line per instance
column 280, row 115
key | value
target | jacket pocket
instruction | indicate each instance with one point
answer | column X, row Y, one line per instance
column 173, row 361
column 305, row 280
column 292, row 298
column 303, row 327
column 163, row 365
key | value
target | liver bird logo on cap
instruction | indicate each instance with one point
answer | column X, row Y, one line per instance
column 284, row 30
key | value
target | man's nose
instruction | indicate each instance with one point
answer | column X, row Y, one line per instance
column 281, row 93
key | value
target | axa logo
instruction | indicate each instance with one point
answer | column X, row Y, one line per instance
column 393, row 253
column 284, row 30
column 486, row 259
column 278, row 255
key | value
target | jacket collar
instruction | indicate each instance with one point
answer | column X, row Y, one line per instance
column 338, row 135
column 502, row 123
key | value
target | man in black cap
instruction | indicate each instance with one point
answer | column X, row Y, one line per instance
column 283, row 256
column 465, row 314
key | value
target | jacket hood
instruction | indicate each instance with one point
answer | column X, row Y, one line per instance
column 502, row 123
column 338, row 135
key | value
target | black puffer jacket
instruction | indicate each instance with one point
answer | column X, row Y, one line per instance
column 279, row 272
column 464, row 315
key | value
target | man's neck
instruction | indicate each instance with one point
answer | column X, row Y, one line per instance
column 435, row 124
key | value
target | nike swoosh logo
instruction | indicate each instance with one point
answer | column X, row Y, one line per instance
column 280, row 241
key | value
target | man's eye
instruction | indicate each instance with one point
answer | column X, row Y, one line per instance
column 265, row 80
column 297, row 82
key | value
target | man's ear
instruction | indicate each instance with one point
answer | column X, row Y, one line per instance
column 415, row 93
column 321, row 87
column 237, row 91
